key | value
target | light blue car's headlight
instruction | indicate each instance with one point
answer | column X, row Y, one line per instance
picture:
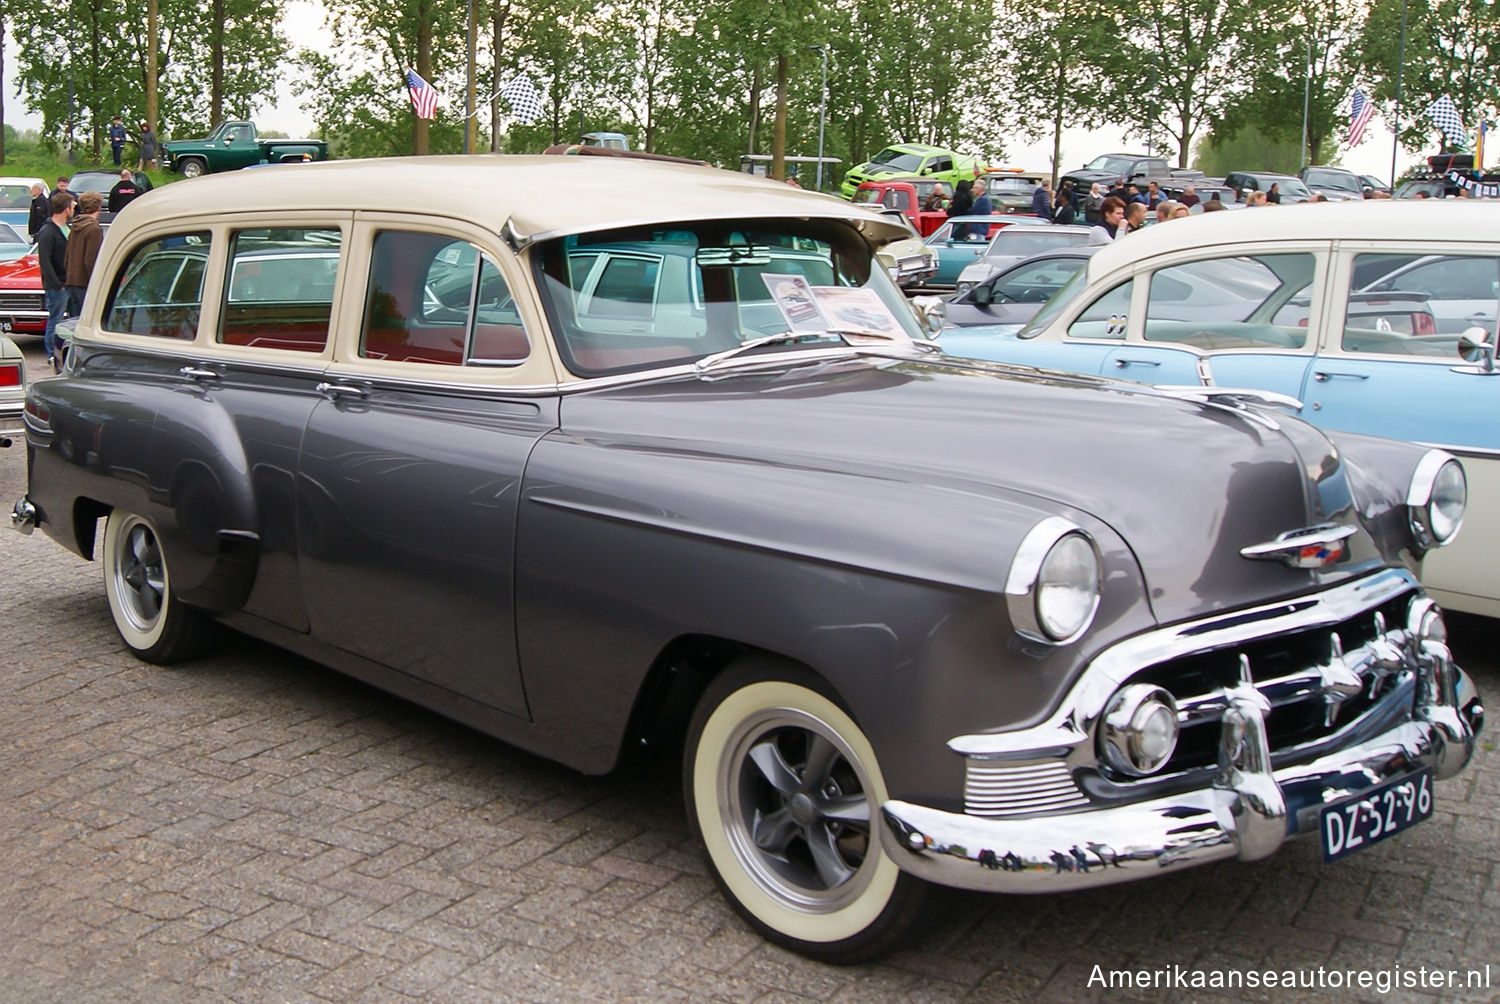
column 1436, row 500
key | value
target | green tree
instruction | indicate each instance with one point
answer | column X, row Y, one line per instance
column 1450, row 48
column 1055, row 69
column 1178, row 65
column 1247, row 147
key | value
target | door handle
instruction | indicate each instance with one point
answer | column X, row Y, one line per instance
column 198, row 373
column 1323, row 376
column 1122, row 363
column 337, row 390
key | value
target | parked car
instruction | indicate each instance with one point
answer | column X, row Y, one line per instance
column 12, row 390
column 1370, row 184
column 908, row 259
column 691, row 476
column 1336, row 184
column 15, row 200
column 1011, row 244
column 962, row 239
column 1291, row 189
column 233, row 145
column 1112, row 167
column 1005, row 301
column 23, row 308
column 13, row 243
column 102, row 182
column 913, row 158
column 1316, row 307
column 908, row 195
column 1011, row 191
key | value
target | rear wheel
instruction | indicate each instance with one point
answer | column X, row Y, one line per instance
column 192, row 167
column 153, row 623
column 784, row 791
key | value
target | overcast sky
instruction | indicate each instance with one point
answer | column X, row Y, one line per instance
column 303, row 23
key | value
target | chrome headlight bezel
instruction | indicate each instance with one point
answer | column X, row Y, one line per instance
column 1436, row 500
column 1036, row 577
column 1125, row 736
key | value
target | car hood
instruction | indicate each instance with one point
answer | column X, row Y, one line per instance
column 1185, row 486
column 22, row 273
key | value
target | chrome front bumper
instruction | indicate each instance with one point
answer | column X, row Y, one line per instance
column 1247, row 810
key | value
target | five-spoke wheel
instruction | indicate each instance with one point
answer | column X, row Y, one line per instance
column 784, row 790
column 154, row 624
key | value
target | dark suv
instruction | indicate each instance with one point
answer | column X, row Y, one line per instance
column 1111, row 167
column 1337, row 183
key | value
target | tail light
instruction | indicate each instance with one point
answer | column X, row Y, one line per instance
column 1422, row 323
column 10, row 374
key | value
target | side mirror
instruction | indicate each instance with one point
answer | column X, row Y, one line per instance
column 1475, row 346
column 932, row 312
column 982, row 295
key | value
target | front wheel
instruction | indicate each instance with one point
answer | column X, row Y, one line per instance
column 154, row 624
column 192, row 167
column 784, row 792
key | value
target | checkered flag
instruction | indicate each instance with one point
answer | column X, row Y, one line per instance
column 1445, row 116
column 523, row 98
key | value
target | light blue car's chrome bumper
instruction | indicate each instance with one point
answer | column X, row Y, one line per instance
column 1247, row 812
column 10, row 421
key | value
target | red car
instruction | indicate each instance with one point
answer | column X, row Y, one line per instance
column 22, row 310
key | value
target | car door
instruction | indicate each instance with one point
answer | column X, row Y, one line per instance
column 1235, row 319
column 411, row 463
column 1416, row 388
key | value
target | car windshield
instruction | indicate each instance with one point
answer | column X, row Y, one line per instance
column 92, row 181
column 1290, row 186
column 1332, row 179
column 1055, row 304
column 638, row 298
column 1015, row 242
column 900, row 161
column 1114, row 165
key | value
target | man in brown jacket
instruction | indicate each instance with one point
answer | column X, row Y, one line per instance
column 83, row 248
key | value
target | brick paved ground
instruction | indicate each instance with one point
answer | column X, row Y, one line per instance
column 252, row 827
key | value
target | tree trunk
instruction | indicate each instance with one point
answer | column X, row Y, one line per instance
column 216, row 92
column 471, row 132
column 754, row 107
column 778, row 131
column 153, row 32
column 497, row 48
column 424, row 70
column 1060, row 92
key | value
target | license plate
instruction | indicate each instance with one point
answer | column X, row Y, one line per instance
column 1369, row 817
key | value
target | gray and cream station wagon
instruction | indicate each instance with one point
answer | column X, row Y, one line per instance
column 694, row 474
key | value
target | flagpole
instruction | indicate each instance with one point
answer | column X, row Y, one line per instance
column 1400, row 66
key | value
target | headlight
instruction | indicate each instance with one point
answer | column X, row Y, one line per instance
column 1139, row 731
column 1053, row 587
column 1436, row 500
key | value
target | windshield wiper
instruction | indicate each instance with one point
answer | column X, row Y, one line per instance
column 708, row 362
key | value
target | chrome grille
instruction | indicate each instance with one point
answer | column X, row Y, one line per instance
column 1317, row 681
column 994, row 789
column 21, row 301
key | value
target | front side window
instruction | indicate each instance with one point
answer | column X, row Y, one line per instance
column 641, row 297
column 1245, row 301
column 279, row 288
column 439, row 300
column 1107, row 316
column 159, row 291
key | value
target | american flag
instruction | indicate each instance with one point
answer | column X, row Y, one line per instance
column 523, row 98
column 423, row 97
column 1444, row 115
column 1360, row 110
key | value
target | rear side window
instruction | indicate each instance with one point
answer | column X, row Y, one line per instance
column 439, row 300
column 1246, row 301
column 159, row 291
column 279, row 288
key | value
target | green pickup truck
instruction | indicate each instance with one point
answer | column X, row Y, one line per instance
column 234, row 145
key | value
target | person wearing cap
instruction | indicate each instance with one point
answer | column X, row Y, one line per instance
column 116, row 139
column 148, row 147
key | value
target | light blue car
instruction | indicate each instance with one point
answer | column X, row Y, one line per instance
column 1356, row 310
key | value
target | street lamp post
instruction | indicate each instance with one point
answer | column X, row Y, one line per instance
column 1306, row 95
column 822, row 51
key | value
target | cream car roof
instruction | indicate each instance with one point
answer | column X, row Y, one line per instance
column 1364, row 220
column 540, row 196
